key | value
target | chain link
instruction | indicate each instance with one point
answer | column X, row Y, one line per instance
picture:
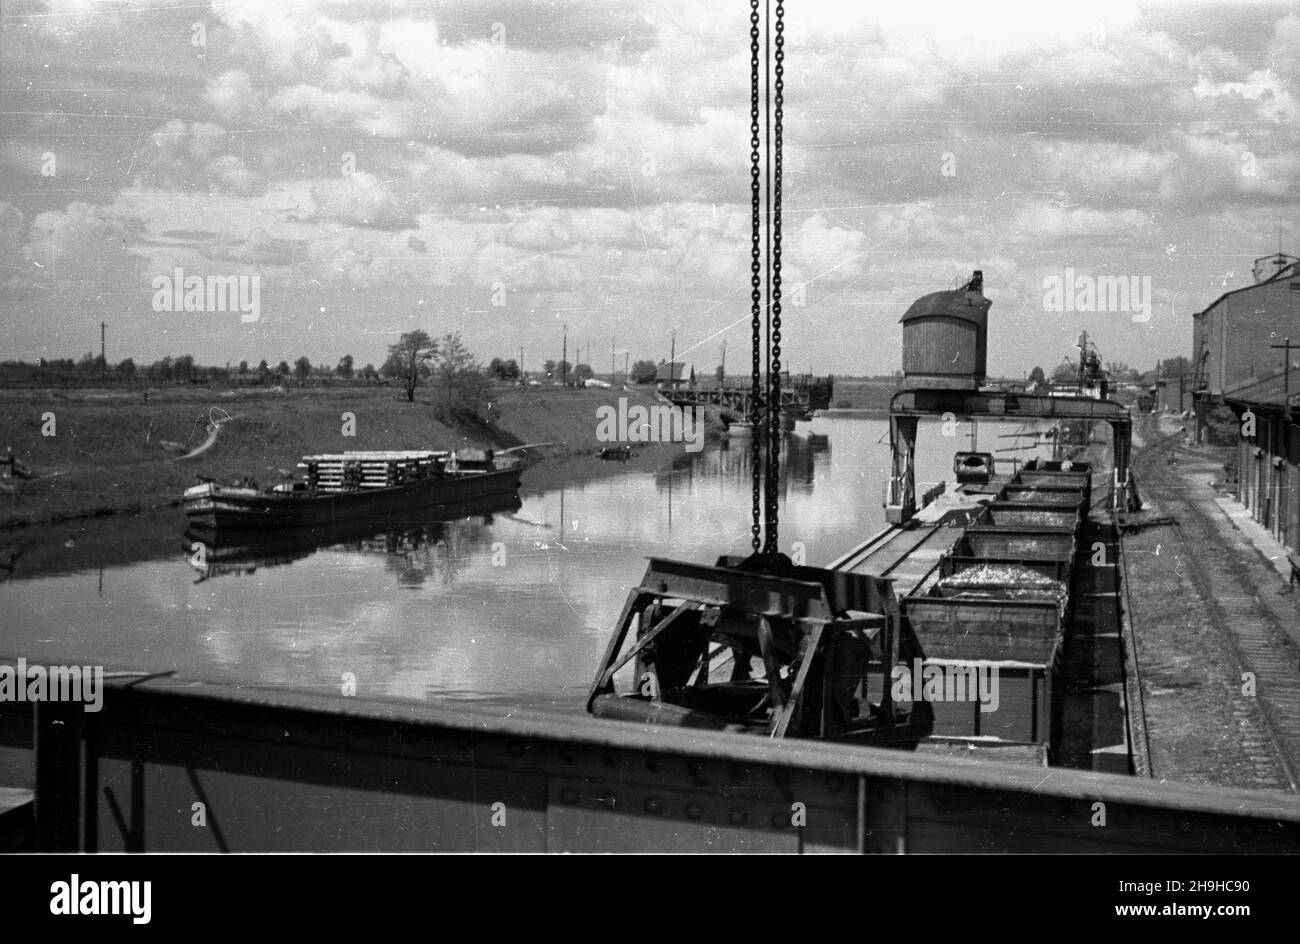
column 774, row 344
column 755, row 268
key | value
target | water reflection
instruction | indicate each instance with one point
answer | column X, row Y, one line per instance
column 801, row 459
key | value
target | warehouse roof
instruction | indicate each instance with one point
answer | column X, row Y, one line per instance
column 1289, row 272
column 1266, row 391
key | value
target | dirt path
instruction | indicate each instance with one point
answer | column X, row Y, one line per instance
column 214, row 430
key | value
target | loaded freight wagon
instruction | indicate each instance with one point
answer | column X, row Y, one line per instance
column 996, row 610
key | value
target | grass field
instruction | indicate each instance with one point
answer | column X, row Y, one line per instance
column 862, row 394
column 112, row 451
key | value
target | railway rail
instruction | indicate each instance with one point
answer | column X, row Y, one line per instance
column 1252, row 637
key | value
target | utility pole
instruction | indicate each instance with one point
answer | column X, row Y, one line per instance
column 521, row 365
column 626, row 355
column 672, row 361
column 1287, row 346
column 564, row 359
column 722, row 381
column 103, row 361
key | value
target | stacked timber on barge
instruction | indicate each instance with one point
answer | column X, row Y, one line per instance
column 340, row 487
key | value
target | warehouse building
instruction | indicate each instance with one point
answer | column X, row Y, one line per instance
column 1268, row 462
column 1232, row 339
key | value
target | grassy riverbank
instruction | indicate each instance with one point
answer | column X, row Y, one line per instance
column 112, row 451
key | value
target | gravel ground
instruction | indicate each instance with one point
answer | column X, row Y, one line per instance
column 1201, row 728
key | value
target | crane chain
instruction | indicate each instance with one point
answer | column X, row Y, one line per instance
column 755, row 268
column 774, row 343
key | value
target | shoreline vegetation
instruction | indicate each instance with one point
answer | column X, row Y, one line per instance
column 95, row 453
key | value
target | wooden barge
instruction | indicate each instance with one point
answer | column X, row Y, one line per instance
column 234, row 552
column 352, row 486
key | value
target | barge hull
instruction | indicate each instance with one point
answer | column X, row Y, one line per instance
column 228, row 510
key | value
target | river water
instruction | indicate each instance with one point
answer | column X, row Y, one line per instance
column 510, row 609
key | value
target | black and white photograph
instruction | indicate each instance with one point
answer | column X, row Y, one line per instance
column 629, row 427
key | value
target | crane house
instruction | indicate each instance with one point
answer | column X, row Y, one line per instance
column 946, row 338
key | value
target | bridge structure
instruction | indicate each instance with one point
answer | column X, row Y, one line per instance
column 798, row 399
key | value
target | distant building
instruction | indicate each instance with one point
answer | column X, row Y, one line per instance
column 670, row 377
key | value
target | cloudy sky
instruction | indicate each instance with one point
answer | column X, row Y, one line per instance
column 390, row 164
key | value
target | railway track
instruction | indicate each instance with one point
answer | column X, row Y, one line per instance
column 1252, row 636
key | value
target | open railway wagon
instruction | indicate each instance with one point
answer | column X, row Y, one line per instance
column 805, row 653
column 996, row 611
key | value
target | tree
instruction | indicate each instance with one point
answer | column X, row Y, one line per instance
column 344, row 369
column 583, row 372
column 369, row 374
column 183, row 367
column 565, row 371
column 408, row 360
column 1036, row 376
column 462, row 383
column 282, row 369
column 1171, row 367
column 503, row 370
column 455, row 362
column 126, row 369
column 302, row 369
column 548, row 369
column 720, row 375
column 643, row 372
